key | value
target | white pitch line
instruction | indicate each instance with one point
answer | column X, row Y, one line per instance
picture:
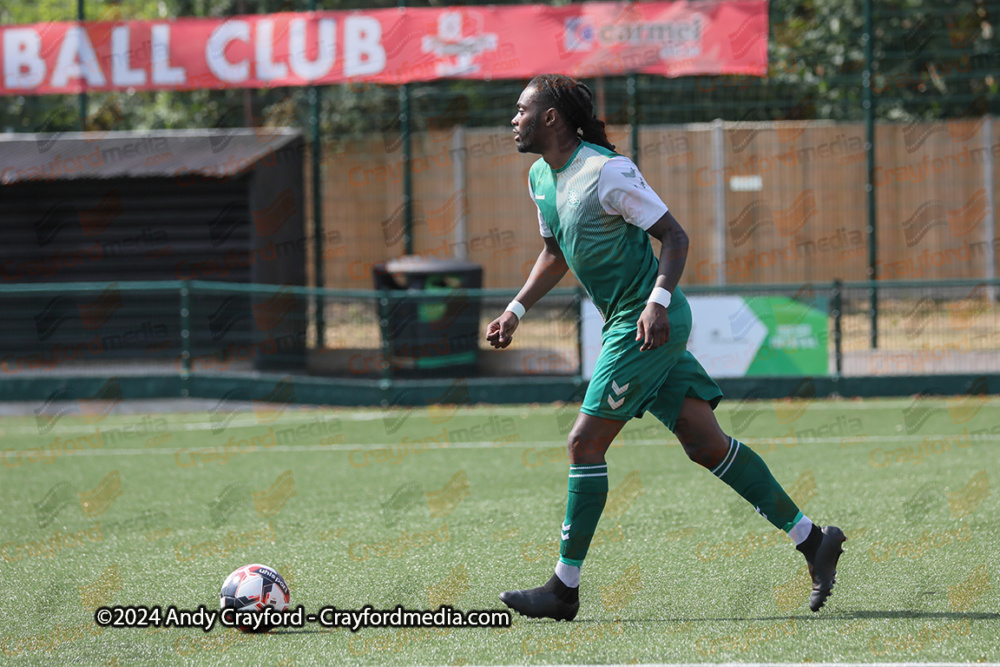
column 792, row 664
column 424, row 447
column 295, row 417
column 215, row 427
column 362, row 413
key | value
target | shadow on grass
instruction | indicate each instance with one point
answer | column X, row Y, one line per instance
column 907, row 613
column 853, row 615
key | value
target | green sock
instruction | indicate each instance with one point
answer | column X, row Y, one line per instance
column 588, row 491
column 749, row 476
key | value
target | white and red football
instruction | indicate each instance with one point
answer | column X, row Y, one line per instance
column 254, row 588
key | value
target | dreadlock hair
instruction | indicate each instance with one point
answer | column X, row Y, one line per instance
column 575, row 103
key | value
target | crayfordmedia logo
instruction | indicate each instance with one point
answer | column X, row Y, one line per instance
column 921, row 503
column 915, row 454
column 450, row 589
column 965, row 595
column 758, row 214
column 789, row 595
column 228, row 501
column 746, row 640
column 619, row 594
column 231, row 311
column 57, row 405
column 797, row 402
column 916, row 414
column 50, row 640
column 573, row 640
column 621, row 498
column 65, row 215
column 928, row 635
column 47, row 547
column 271, row 312
column 108, row 396
column 269, row 502
column 968, row 312
column 223, row 547
column 533, row 458
column 804, row 489
column 97, row 501
column 396, row 547
column 748, row 408
column 928, row 541
column 230, row 218
column 750, row 33
column 741, row 548
column 100, row 593
column 232, row 403
column 396, row 454
column 402, row 499
column 49, row 452
column 91, row 315
column 58, row 497
column 444, row 501
column 271, row 406
column 399, row 640
column 270, row 219
column 966, row 500
column 223, row 453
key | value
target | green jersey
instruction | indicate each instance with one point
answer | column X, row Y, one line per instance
column 598, row 208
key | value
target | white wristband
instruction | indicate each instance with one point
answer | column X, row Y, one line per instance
column 516, row 308
column 660, row 296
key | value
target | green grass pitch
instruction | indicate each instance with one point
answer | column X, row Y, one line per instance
column 422, row 507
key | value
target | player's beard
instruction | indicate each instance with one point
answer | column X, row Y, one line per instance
column 526, row 137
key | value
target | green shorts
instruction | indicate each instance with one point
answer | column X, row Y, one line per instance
column 626, row 382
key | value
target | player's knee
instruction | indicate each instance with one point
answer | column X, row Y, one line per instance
column 690, row 443
column 700, row 453
column 583, row 449
column 705, row 449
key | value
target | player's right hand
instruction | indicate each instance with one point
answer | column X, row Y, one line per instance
column 501, row 330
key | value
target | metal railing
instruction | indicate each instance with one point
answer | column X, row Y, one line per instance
column 202, row 327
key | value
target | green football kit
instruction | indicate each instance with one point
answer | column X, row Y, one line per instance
column 598, row 208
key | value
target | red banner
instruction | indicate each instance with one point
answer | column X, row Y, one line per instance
column 386, row 46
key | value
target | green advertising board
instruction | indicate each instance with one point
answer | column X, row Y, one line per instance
column 796, row 341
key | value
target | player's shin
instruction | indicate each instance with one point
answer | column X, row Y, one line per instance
column 588, row 491
column 748, row 475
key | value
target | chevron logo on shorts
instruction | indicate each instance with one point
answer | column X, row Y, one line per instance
column 618, row 392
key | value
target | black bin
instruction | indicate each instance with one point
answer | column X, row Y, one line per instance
column 429, row 322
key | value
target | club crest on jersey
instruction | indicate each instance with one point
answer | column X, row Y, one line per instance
column 573, row 197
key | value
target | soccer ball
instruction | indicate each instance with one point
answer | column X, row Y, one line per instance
column 254, row 588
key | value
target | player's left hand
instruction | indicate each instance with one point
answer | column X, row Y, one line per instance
column 653, row 327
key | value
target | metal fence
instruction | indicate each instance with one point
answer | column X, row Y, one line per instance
column 200, row 328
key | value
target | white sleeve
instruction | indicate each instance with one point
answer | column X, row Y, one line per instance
column 622, row 191
column 543, row 229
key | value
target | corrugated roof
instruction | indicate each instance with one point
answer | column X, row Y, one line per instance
column 207, row 152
